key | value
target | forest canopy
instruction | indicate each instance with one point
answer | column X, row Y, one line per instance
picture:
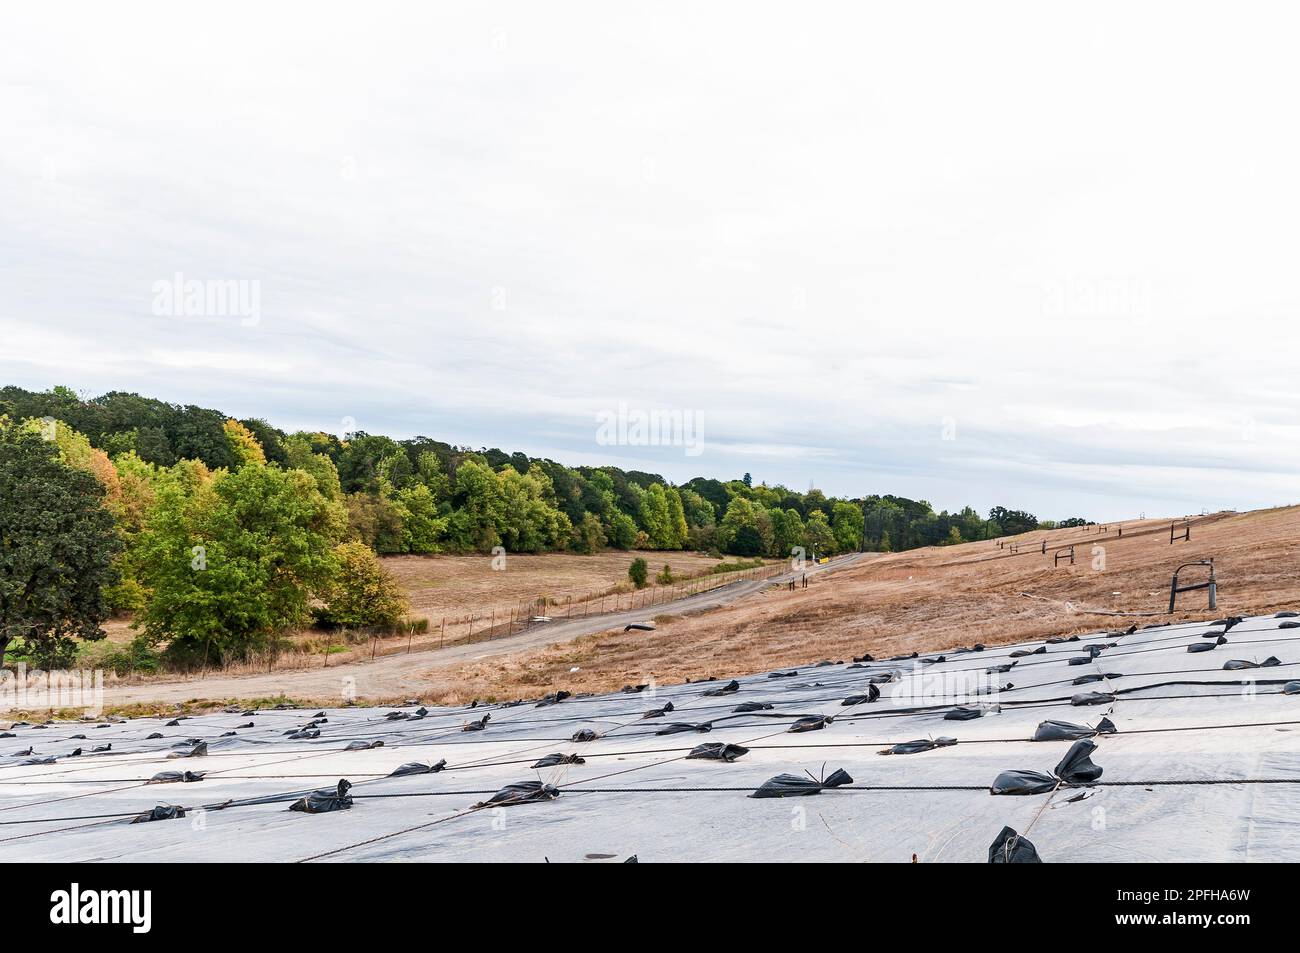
column 423, row 495
column 218, row 533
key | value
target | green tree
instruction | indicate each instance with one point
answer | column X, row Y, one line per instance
column 703, row 539
column 815, row 499
column 637, row 572
column 299, row 455
column 746, row 530
column 656, row 518
column 376, row 521
column 819, row 537
column 135, row 498
column 395, row 472
column 712, row 492
column 57, row 550
column 269, row 439
column 787, row 531
column 478, row 508
column 422, row 527
column 199, row 434
column 665, row 577
column 622, row 531
column 597, row 494
column 1013, row 522
column 234, row 560
column 527, row 519
column 589, row 535
column 362, row 458
column 362, row 592
column 884, row 516
column 846, row 521
column 676, row 517
column 428, row 469
column 75, row 450
column 698, row 511
column 747, row 541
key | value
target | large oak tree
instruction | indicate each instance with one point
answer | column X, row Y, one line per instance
column 57, row 546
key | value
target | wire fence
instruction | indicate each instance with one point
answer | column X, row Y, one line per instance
column 326, row 649
column 1046, row 546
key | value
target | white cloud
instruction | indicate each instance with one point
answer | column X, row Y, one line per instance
column 826, row 229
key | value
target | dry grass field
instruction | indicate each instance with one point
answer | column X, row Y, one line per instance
column 470, row 595
column 929, row 599
column 453, row 586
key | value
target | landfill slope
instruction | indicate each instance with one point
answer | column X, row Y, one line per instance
column 1195, row 759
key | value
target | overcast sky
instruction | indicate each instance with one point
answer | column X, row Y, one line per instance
column 992, row 254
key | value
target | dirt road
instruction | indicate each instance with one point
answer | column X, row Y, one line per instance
column 407, row 675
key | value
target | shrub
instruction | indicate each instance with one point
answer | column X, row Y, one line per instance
column 665, row 577
column 736, row 566
column 637, row 572
column 136, row 656
column 125, row 596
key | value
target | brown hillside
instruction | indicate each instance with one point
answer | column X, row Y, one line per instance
column 929, row 599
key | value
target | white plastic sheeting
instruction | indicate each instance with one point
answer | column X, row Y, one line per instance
column 1195, row 772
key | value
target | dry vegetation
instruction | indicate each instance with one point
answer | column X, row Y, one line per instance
column 453, row 586
column 457, row 588
column 930, row 599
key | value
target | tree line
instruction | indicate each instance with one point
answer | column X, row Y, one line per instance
column 217, row 533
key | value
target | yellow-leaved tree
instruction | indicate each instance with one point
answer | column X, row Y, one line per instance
column 243, row 444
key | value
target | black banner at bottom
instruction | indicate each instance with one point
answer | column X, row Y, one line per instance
column 137, row 904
